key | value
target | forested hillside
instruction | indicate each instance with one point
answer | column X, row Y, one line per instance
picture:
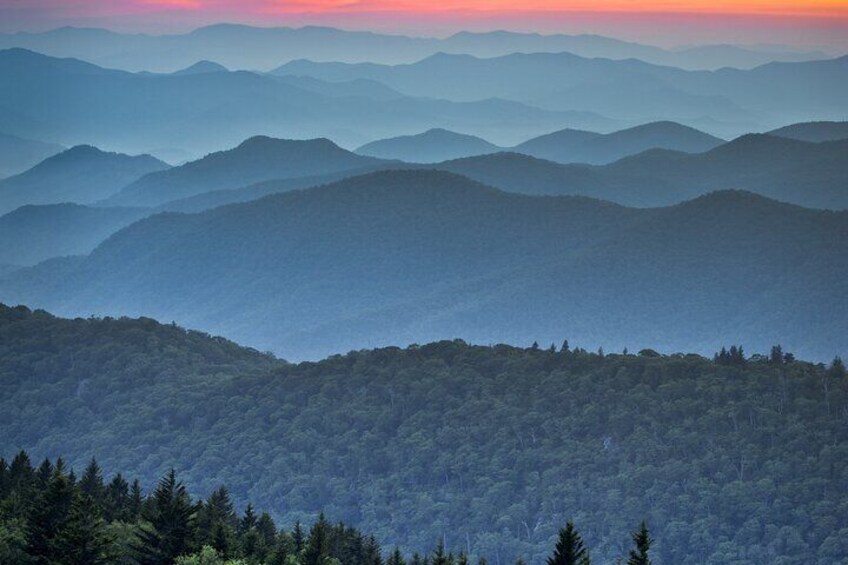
column 49, row 514
column 736, row 459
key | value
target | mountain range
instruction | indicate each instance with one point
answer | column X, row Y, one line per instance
column 803, row 173
column 245, row 47
column 82, row 174
column 814, row 132
column 200, row 113
column 254, row 160
column 408, row 256
column 807, row 174
column 431, row 146
column 761, row 98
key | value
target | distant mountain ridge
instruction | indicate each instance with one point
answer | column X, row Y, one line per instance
column 82, row 175
column 569, row 146
column 405, row 256
column 245, row 47
column 807, row 174
column 814, row 132
column 200, row 113
column 431, row 146
column 621, row 89
column 257, row 159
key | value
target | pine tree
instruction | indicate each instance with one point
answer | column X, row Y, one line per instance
column 116, row 500
column 83, row 540
column 569, row 548
column 47, row 519
column 135, row 502
column 266, row 528
column 396, row 558
column 298, row 536
column 318, row 543
column 171, row 521
column 642, row 540
column 439, row 556
column 371, row 552
column 44, row 472
column 248, row 521
column 91, row 482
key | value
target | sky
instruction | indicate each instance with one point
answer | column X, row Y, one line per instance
column 813, row 23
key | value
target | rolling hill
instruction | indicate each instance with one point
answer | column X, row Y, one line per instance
column 807, row 174
column 411, row 256
column 570, row 146
column 254, row 160
column 814, row 132
column 31, row 234
column 82, row 175
column 431, row 146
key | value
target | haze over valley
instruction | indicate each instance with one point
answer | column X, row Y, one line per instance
column 424, row 291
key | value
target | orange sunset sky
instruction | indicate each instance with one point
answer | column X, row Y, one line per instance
column 823, row 23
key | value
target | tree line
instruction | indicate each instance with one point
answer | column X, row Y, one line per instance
column 49, row 516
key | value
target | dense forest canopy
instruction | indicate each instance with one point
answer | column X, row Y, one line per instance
column 736, row 459
column 49, row 515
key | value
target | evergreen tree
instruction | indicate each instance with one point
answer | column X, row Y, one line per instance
column 299, row 538
column 642, row 540
column 248, row 521
column 83, row 540
column 439, row 555
column 396, row 558
column 569, row 548
column 116, row 500
column 135, row 502
column 91, row 482
column 266, row 528
column 47, row 519
column 44, row 472
column 168, row 533
column 371, row 552
column 318, row 544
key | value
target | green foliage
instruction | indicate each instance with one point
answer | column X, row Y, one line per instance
column 643, row 541
column 570, row 549
column 491, row 449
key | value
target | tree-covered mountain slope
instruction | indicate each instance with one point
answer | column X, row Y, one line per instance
column 491, row 449
column 414, row 256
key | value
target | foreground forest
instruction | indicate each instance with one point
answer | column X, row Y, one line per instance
column 736, row 459
column 48, row 515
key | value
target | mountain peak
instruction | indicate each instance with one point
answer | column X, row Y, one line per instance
column 201, row 67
